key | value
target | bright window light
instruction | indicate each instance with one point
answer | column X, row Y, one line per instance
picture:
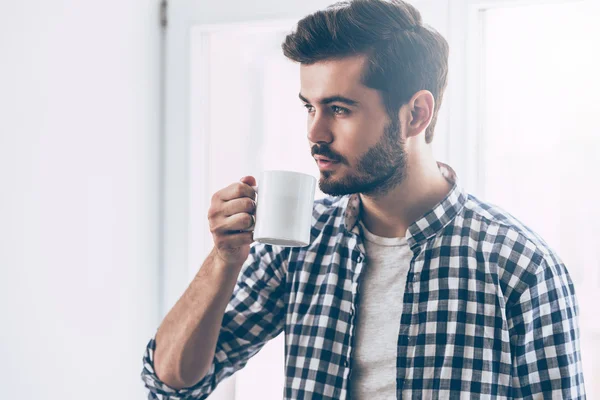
column 541, row 141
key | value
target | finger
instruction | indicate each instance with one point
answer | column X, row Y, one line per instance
column 241, row 205
column 248, row 180
column 252, row 224
column 235, row 191
column 234, row 223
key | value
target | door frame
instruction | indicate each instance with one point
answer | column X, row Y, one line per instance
column 459, row 116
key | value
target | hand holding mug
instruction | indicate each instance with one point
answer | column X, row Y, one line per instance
column 281, row 215
column 231, row 219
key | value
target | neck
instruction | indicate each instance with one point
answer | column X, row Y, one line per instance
column 390, row 214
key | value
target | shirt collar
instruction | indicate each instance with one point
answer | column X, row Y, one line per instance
column 431, row 223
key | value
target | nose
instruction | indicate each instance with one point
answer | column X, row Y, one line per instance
column 319, row 128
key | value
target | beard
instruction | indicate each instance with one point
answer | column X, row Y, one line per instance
column 378, row 171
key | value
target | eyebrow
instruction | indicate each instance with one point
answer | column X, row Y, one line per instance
column 332, row 99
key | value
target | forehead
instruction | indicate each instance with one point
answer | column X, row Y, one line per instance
column 340, row 76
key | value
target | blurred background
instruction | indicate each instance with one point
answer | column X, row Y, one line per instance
column 119, row 121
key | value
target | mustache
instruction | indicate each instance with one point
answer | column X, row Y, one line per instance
column 325, row 151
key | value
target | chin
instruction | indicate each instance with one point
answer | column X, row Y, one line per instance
column 348, row 184
column 334, row 185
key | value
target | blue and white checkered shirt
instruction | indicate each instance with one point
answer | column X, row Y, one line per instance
column 489, row 311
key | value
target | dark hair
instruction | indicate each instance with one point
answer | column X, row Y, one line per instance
column 404, row 55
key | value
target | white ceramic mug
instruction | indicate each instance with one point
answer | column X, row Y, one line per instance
column 284, row 208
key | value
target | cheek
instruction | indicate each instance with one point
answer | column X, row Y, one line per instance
column 359, row 135
column 351, row 143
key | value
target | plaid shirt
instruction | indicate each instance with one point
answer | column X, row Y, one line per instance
column 489, row 311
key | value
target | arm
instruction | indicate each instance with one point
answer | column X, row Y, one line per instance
column 545, row 337
column 209, row 333
column 186, row 339
column 254, row 314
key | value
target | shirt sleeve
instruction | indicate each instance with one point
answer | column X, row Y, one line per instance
column 255, row 314
column 544, row 328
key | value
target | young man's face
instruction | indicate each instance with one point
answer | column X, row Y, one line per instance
column 348, row 123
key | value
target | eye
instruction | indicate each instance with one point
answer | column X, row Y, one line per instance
column 337, row 110
column 309, row 108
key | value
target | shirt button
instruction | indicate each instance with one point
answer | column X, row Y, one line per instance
column 346, row 363
column 359, row 259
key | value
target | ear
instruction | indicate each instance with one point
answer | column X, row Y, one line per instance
column 418, row 112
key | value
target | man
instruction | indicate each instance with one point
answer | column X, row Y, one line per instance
column 410, row 288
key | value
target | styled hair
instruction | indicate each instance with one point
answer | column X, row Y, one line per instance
column 404, row 56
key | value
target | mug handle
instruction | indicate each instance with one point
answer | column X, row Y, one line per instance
column 251, row 229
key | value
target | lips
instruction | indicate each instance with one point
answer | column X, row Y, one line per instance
column 324, row 159
column 325, row 163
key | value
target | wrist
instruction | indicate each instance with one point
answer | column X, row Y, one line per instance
column 223, row 266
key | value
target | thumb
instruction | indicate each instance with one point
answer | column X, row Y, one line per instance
column 248, row 180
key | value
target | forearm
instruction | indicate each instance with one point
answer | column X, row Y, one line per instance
column 187, row 337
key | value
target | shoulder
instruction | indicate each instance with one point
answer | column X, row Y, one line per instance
column 498, row 226
column 520, row 254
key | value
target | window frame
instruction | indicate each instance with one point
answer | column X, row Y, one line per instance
column 466, row 87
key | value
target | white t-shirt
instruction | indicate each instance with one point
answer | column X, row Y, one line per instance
column 381, row 294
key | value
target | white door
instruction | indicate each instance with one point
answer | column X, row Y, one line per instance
column 232, row 109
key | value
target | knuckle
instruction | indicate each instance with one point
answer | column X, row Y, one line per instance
column 215, row 227
column 239, row 190
column 212, row 211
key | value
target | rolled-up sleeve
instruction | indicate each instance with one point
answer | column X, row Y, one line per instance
column 255, row 314
column 545, row 337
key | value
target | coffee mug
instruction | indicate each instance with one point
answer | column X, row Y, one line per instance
column 284, row 208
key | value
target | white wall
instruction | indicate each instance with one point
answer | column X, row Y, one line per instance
column 79, row 220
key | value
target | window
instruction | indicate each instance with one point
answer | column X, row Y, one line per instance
column 540, row 141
